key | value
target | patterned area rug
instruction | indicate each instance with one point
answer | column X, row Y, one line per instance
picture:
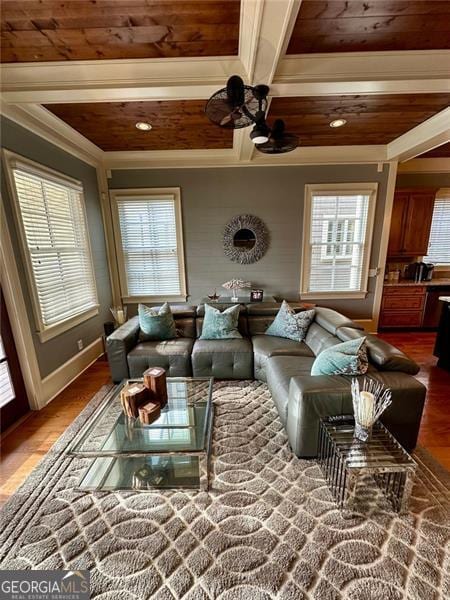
column 267, row 530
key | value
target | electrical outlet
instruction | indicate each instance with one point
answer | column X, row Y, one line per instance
column 80, row 344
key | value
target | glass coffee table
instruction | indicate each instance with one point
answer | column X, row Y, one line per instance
column 172, row 452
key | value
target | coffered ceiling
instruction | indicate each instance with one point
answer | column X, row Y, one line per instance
column 369, row 119
column 84, row 72
column 370, row 25
column 52, row 30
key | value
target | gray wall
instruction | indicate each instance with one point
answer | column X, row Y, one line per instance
column 211, row 196
column 423, row 180
column 58, row 350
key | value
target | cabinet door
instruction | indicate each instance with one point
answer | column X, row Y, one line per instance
column 418, row 224
column 399, row 213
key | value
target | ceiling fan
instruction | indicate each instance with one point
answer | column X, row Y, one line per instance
column 238, row 105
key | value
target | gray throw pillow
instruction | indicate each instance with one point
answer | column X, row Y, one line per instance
column 291, row 325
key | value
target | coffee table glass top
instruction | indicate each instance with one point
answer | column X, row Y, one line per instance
column 181, row 428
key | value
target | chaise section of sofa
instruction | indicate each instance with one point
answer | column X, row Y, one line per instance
column 302, row 399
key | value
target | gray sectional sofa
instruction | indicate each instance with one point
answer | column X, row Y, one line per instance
column 301, row 399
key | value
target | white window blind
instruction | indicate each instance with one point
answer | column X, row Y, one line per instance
column 6, row 385
column 56, row 239
column 439, row 244
column 337, row 248
column 150, row 246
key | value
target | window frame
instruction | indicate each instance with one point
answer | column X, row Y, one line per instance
column 332, row 189
column 444, row 192
column 11, row 161
column 142, row 193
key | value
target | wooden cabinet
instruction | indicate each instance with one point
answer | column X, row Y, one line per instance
column 411, row 222
column 402, row 306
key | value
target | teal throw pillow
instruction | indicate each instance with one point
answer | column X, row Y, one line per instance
column 291, row 325
column 156, row 325
column 220, row 325
column 348, row 358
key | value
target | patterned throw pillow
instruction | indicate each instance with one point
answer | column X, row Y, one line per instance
column 348, row 358
column 291, row 325
column 220, row 325
column 156, row 325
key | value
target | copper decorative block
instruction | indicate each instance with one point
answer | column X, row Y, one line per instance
column 155, row 380
column 132, row 396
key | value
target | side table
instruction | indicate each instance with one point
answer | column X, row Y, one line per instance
column 345, row 460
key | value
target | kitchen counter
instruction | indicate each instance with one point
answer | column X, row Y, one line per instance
column 407, row 282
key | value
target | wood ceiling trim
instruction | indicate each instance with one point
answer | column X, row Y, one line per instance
column 176, row 125
column 370, row 119
column 371, row 25
column 47, row 30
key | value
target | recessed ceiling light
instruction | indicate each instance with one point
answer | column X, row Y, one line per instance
column 143, row 126
column 338, row 123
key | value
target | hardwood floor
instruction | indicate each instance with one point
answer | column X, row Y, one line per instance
column 435, row 426
column 23, row 447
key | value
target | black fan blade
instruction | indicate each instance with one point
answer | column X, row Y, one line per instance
column 235, row 91
column 278, row 129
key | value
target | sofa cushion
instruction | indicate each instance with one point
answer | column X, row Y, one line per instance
column 318, row 339
column 291, row 325
column 172, row 355
column 279, row 371
column 223, row 359
column 265, row 346
column 156, row 323
column 331, row 320
column 220, row 325
column 348, row 358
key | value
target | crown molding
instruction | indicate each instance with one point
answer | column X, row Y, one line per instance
column 40, row 121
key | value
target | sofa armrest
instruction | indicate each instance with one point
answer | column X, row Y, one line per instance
column 118, row 345
column 311, row 398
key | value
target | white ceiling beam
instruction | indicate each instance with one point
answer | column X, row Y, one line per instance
column 433, row 132
column 116, row 80
column 412, row 65
column 266, row 26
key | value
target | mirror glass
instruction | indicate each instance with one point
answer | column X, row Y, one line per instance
column 244, row 239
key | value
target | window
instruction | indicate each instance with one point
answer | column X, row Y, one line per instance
column 149, row 244
column 52, row 224
column 338, row 226
column 6, row 386
column 439, row 244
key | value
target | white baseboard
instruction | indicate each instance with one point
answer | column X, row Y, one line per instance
column 59, row 379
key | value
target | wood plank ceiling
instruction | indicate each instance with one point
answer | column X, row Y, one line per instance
column 370, row 119
column 370, row 25
column 438, row 152
column 176, row 125
column 51, row 30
